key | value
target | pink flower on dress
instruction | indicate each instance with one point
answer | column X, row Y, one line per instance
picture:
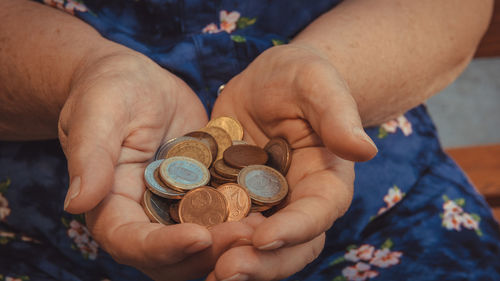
column 359, row 272
column 228, row 20
column 469, row 222
column 81, row 237
column 4, row 208
column 404, row 125
column 390, row 126
column 365, row 252
column 211, row 28
column 384, row 258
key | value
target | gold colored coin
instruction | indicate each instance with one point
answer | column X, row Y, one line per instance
column 221, row 137
column 205, row 206
column 207, row 139
column 161, row 152
column 183, row 173
column 259, row 208
column 193, row 149
column 230, row 125
column 226, row 171
column 238, row 199
column 218, row 179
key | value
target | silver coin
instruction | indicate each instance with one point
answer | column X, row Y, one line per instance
column 162, row 151
column 264, row 184
column 155, row 185
column 183, row 173
column 157, row 208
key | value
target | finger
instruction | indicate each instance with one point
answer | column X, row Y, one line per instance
column 331, row 110
column 131, row 239
column 320, row 192
column 211, row 277
column 248, row 263
column 91, row 135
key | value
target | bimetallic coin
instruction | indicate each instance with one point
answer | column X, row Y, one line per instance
column 183, row 173
column 221, row 137
column 226, row 171
column 238, row 199
column 230, row 125
column 156, row 208
column 264, row 184
column 205, row 206
column 155, row 185
column 193, row 149
column 240, row 156
column 174, row 211
column 207, row 139
column 161, row 152
column 280, row 154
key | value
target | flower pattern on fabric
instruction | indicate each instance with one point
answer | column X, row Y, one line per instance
column 229, row 22
column 4, row 203
column 454, row 217
column 365, row 257
column 393, row 196
column 391, row 126
column 82, row 239
column 10, row 278
column 68, row 6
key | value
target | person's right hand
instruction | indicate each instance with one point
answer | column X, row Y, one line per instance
column 120, row 108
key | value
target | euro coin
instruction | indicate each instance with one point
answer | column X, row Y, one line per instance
column 238, row 199
column 259, row 208
column 204, row 206
column 194, row 149
column 265, row 185
column 183, row 173
column 240, row 156
column 207, row 139
column 174, row 211
column 216, row 178
column 230, row 125
column 161, row 152
column 221, row 137
column 226, row 171
column 280, row 154
column 156, row 208
column 154, row 183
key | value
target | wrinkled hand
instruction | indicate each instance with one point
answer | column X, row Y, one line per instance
column 294, row 92
column 120, row 108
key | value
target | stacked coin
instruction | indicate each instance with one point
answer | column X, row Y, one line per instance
column 177, row 180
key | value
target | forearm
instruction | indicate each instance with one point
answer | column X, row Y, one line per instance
column 395, row 54
column 41, row 50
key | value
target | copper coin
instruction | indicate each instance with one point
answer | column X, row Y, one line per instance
column 238, row 199
column 183, row 173
column 280, row 154
column 264, row 184
column 221, row 137
column 240, row 156
column 174, row 212
column 207, row 139
column 205, row 206
column 226, row 171
column 230, row 125
column 156, row 208
column 161, row 152
column 215, row 177
column 193, row 149
column 259, row 208
column 156, row 185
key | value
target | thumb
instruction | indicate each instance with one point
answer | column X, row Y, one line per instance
column 91, row 139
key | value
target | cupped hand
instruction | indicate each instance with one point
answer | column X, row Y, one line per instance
column 120, row 108
column 294, row 92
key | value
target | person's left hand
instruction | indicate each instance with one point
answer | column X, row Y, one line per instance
column 294, row 92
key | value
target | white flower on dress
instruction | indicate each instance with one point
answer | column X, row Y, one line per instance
column 454, row 216
column 404, row 125
column 228, row 20
column 365, row 252
column 385, row 258
column 359, row 272
column 394, row 195
column 211, row 28
column 81, row 237
column 452, row 221
column 390, row 126
column 70, row 6
column 4, row 208
column 451, row 207
column 8, row 278
column 469, row 222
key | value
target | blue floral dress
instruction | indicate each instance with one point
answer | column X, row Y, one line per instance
column 414, row 215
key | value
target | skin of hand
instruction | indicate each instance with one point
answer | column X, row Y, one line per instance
column 294, row 92
column 120, row 108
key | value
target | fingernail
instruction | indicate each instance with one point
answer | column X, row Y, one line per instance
column 73, row 191
column 273, row 245
column 242, row 242
column 360, row 133
column 198, row 246
column 237, row 277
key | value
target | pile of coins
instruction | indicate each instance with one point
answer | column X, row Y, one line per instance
column 211, row 176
